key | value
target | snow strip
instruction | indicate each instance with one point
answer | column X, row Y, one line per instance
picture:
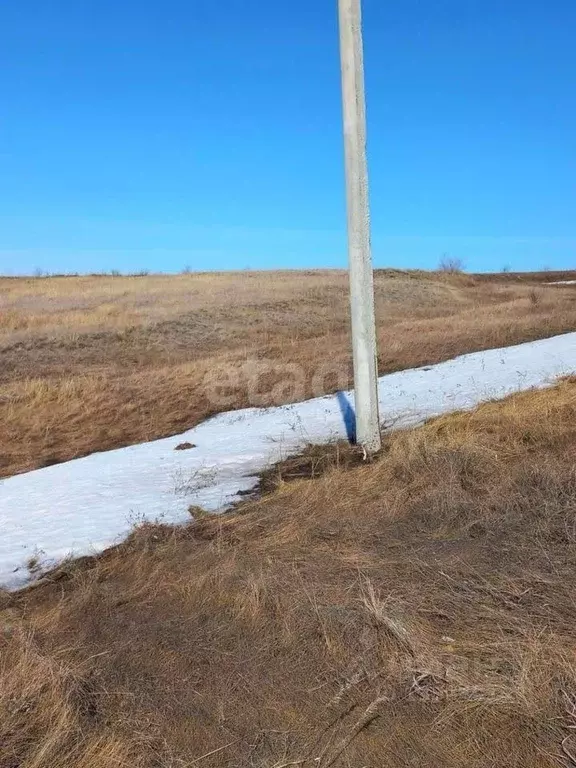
column 86, row 505
column 562, row 282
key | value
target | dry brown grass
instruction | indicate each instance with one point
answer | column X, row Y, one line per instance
column 93, row 363
column 416, row 611
column 546, row 276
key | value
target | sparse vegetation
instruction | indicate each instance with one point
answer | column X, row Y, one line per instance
column 414, row 611
column 451, row 264
column 534, row 297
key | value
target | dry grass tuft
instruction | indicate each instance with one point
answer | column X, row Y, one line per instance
column 47, row 703
column 415, row 611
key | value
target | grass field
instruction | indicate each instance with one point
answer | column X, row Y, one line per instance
column 415, row 611
column 93, row 363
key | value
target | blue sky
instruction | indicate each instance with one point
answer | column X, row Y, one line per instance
column 148, row 135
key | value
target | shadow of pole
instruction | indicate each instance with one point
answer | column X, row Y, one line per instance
column 348, row 416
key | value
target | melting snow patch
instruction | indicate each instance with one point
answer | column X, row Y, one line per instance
column 86, row 505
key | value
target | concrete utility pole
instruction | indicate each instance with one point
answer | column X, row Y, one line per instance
column 360, row 258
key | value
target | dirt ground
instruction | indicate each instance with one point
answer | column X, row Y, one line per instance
column 93, row 363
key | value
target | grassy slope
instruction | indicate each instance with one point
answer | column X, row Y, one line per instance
column 549, row 276
column 417, row 611
column 94, row 363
